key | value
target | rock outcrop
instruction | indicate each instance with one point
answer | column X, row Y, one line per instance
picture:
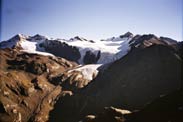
column 61, row 49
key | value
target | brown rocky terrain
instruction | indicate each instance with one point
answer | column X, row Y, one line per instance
column 26, row 94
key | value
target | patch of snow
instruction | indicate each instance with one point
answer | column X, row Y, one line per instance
column 33, row 47
column 88, row 71
column 123, row 111
column 38, row 52
column 28, row 45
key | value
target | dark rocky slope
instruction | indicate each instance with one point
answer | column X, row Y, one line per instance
column 137, row 79
column 168, row 108
column 61, row 49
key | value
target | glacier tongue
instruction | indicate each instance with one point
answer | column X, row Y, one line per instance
column 89, row 71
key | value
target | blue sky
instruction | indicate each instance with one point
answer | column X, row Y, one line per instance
column 92, row 19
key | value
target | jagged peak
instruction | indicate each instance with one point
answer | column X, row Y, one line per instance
column 81, row 39
column 38, row 37
column 14, row 41
column 127, row 34
column 18, row 37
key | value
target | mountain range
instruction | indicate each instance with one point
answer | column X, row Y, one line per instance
column 130, row 78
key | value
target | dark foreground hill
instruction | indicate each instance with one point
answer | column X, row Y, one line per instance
column 129, row 83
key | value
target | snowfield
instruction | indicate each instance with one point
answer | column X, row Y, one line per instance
column 110, row 49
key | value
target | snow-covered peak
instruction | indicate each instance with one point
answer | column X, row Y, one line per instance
column 28, row 44
column 21, row 36
column 14, row 41
column 18, row 37
column 125, row 36
column 37, row 37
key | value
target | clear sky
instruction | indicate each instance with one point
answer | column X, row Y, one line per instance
column 92, row 19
